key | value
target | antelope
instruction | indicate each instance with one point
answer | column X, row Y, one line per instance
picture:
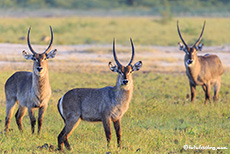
column 99, row 105
column 29, row 89
column 202, row 71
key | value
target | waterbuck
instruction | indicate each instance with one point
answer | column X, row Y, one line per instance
column 99, row 105
column 29, row 89
column 202, row 71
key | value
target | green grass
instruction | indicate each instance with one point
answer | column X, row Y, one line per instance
column 160, row 118
column 102, row 30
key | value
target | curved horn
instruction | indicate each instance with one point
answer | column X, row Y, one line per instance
column 199, row 39
column 114, row 54
column 28, row 42
column 51, row 42
column 131, row 60
column 178, row 29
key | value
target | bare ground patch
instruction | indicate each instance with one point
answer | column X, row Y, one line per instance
column 96, row 57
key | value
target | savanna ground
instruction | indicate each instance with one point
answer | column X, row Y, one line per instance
column 160, row 118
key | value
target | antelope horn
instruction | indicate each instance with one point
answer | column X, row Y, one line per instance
column 131, row 60
column 114, row 54
column 178, row 29
column 51, row 42
column 199, row 39
column 28, row 42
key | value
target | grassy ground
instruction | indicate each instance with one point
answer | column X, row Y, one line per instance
column 101, row 30
column 160, row 119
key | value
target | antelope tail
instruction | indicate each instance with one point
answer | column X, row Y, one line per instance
column 60, row 107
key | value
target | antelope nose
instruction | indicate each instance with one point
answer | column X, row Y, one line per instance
column 190, row 61
column 125, row 81
column 39, row 69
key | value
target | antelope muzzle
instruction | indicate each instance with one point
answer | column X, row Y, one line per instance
column 39, row 68
column 125, row 81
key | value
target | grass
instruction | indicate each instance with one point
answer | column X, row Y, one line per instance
column 160, row 118
column 101, row 30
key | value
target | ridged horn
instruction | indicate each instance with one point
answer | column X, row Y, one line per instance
column 114, row 54
column 199, row 39
column 51, row 42
column 28, row 42
column 178, row 29
column 133, row 53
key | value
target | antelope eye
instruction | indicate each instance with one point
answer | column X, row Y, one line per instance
column 34, row 59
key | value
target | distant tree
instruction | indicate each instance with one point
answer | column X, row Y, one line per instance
column 130, row 2
column 166, row 14
column 165, row 8
column 8, row 3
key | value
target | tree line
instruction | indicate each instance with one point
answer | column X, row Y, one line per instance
column 156, row 6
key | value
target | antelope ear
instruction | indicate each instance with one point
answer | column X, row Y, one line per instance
column 51, row 54
column 182, row 47
column 200, row 47
column 137, row 66
column 27, row 56
column 112, row 67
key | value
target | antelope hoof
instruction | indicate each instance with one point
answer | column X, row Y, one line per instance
column 69, row 148
column 60, row 148
column 6, row 132
column 215, row 99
